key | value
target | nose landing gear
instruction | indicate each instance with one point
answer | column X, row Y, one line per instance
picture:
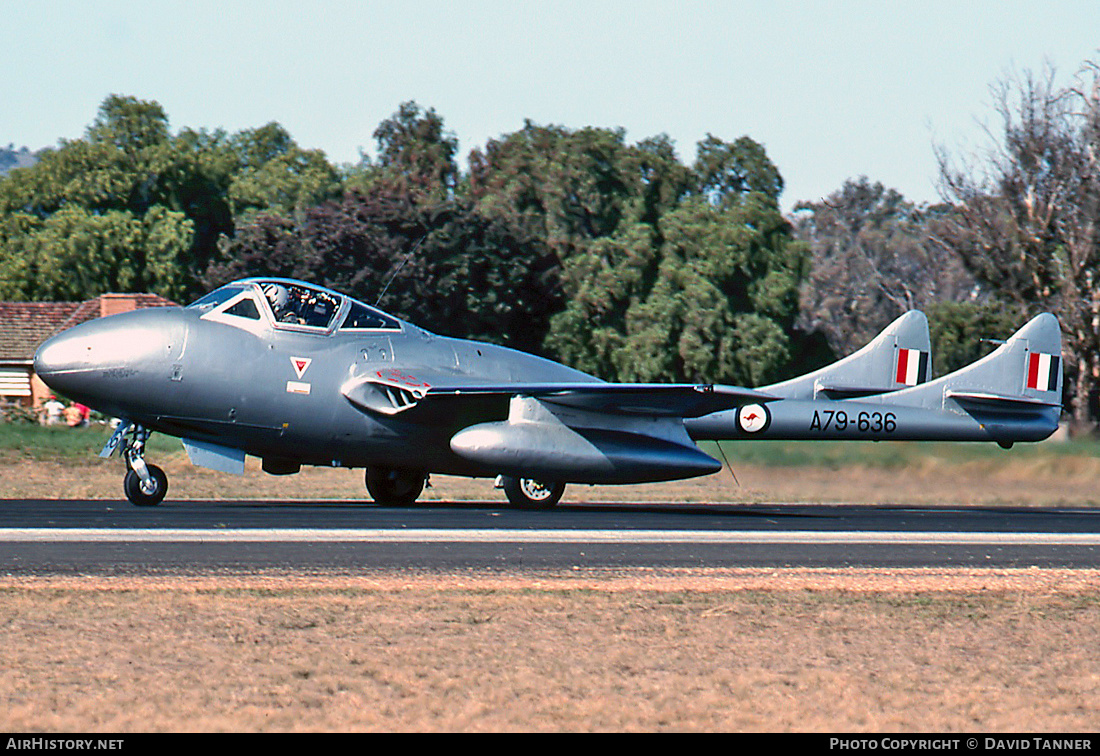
column 145, row 485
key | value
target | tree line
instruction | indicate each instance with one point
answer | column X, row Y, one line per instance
column 617, row 258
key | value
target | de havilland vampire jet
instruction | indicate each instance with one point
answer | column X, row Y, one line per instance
column 298, row 374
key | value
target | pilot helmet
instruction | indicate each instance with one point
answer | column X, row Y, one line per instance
column 277, row 295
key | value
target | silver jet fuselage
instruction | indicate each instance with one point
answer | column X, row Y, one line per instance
column 301, row 375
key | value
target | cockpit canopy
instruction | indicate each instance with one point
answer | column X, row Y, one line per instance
column 291, row 305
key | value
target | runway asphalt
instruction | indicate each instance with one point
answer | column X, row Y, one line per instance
column 113, row 537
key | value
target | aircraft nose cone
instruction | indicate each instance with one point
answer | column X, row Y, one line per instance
column 103, row 360
column 60, row 354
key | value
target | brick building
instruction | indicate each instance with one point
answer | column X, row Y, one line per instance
column 25, row 325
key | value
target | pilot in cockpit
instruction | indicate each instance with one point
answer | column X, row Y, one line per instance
column 279, row 298
column 297, row 305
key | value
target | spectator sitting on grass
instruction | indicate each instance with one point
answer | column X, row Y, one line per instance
column 52, row 410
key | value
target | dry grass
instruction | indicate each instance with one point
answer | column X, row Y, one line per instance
column 729, row 650
column 1024, row 481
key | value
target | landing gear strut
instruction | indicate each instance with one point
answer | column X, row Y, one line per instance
column 144, row 485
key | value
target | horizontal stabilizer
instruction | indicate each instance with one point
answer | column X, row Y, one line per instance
column 1000, row 400
column 848, row 392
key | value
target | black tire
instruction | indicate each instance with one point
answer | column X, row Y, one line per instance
column 528, row 493
column 131, row 485
column 394, row 487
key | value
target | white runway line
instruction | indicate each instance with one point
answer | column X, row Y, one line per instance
column 367, row 535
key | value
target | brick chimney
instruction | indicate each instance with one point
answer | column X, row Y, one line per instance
column 110, row 304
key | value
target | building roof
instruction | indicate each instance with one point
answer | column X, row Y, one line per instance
column 25, row 325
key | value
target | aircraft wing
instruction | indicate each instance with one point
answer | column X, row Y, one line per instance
column 640, row 399
column 649, row 399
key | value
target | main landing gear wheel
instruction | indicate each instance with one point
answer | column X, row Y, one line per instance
column 394, row 487
column 528, row 493
column 148, row 494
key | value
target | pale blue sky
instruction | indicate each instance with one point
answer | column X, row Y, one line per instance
column 832, row 89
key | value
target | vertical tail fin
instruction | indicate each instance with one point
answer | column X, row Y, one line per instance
column 1013, row 394
column 1024, row 371
column 897, row 358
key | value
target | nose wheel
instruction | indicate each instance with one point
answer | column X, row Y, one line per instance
column 145, row 485
column 145, row 493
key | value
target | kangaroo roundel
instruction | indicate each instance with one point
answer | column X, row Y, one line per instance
column 753, row 418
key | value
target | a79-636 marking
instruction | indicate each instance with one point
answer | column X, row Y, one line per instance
column 862, row 422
